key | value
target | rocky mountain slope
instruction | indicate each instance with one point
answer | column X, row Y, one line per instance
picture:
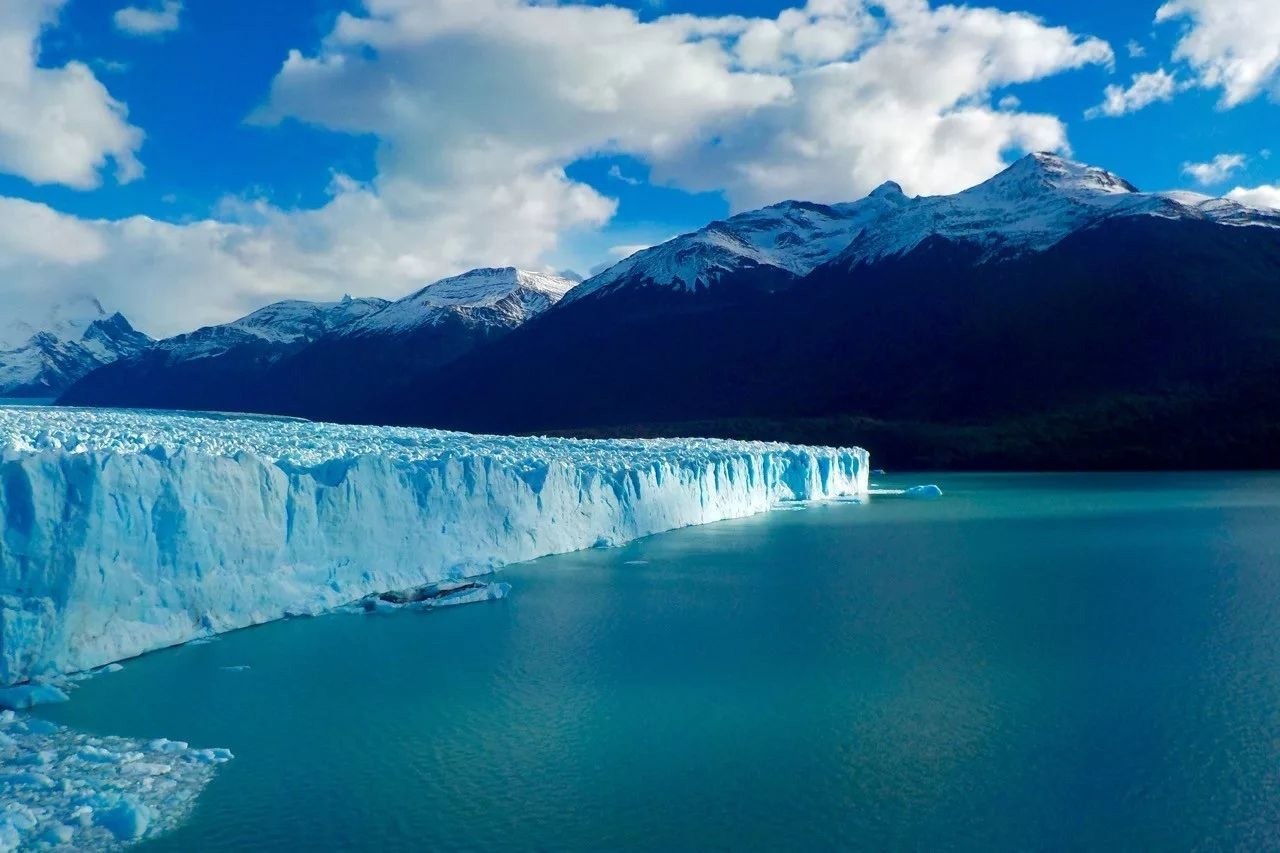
column 304, row 357
column 41, row 357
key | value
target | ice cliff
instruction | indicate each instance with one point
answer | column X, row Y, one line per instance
column 130, row 531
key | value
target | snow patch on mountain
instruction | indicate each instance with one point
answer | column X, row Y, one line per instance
column 127, row 531
column 277, row 328
column 791, row 238
column 503, row 296
column 295, row 319
column 1033, row 205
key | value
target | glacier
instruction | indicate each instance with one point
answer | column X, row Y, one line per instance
column 127, row 531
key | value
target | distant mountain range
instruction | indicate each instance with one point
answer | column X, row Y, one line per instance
column 1053, row 316
column 305, row 357
column 40, row 358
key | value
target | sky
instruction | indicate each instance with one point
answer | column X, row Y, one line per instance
column 188, row 161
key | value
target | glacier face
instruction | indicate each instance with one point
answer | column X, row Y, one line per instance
column 130, row 531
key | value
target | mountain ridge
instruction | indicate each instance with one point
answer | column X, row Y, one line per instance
column 1051, row 287
column 42, row 358
column 296, row 356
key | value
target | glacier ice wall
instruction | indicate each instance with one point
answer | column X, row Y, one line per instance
column 130, row 531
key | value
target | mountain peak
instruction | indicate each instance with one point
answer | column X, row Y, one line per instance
column 781, row 241
column 889, row 189
column 487, row 285
column 504, row 296
column 41, row 356
column 66, row 319
column 1044, row 170
column 1030, row 206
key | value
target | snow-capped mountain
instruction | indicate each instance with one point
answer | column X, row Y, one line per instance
column 1029, row 206
column 781, row 242
column 66, row 320
column 272, row 331
column 41, row 357
column 1051, row 308
column 1033, row 205
column 296, row 357
column 502, row 296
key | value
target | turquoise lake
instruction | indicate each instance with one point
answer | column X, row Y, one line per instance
column 1033, row 661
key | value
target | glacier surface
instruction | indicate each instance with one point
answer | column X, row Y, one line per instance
column 130, row 531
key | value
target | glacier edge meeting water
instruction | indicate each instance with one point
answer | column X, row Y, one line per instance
column 131, row 531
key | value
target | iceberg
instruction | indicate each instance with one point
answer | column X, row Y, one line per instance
column 26, row 696
column 128, row 531
column 444, row 594
column 923, row 493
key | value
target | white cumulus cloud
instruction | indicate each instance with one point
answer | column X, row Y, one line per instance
column 490, row 87
column 57, row 125
column 1232, row 45
column 1267, row 195
column 149, row 21
column 1216, row 170
column 1143, row 90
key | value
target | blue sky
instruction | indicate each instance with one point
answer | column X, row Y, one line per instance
column 407, row 139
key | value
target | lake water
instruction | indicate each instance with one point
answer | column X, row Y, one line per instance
column 1034, row 661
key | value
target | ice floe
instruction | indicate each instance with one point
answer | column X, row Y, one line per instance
column 59, row 787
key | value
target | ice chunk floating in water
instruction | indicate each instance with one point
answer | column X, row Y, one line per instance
column 129, row 531
column 923, row 493
column 30, row 695
column 915, row 493
column 442, row 594
column 61, row 787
